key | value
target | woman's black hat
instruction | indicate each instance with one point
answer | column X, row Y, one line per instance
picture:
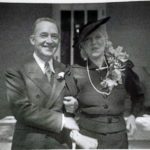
column 88, row 28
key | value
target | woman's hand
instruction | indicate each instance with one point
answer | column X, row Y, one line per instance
column 144, row 122
column 71, row 104
column 131, row 125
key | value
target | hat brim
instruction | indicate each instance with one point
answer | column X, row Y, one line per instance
column 88, row 28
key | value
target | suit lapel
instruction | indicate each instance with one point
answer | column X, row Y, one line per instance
column 58, row 85
column 34, row 72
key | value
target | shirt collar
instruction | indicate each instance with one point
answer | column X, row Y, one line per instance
column 41, row 63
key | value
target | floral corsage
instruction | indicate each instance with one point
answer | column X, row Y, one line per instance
column 116, row 60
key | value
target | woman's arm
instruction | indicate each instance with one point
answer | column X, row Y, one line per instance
column 134, row 88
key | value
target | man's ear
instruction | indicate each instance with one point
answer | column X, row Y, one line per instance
column 32, row 40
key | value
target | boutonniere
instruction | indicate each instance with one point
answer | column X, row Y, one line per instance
column 60, row 76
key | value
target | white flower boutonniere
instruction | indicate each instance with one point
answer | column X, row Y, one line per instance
column 60, row 75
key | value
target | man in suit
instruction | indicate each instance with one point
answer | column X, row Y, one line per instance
column 35, row 93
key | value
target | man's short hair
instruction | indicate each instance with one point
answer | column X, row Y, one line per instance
column 44, row 19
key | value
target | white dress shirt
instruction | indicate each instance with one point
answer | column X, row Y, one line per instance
column 41, row 63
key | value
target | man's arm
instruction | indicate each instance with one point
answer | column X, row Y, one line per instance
column 25, row 110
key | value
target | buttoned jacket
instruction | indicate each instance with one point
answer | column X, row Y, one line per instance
column 102, row 113
column 35, row 103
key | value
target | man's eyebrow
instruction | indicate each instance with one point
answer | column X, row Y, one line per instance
column 55, row 33
column 43, row 33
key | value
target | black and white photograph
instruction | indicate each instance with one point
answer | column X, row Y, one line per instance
column 74, row 75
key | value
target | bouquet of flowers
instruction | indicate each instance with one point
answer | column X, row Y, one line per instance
column 116, row 59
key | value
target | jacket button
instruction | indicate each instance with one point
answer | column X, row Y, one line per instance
column 105, row 106
column 109, row 120
column 37, row 96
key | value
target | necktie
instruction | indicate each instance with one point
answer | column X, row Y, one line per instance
column 48, row 72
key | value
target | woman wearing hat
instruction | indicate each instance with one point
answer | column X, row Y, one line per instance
column 101, row 89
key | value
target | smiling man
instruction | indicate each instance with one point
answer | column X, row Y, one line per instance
column 36, row 95
column 45, row 38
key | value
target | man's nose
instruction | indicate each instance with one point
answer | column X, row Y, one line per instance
column 49, row 39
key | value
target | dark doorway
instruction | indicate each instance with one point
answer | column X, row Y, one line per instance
column 79, row 17
column 65, row 36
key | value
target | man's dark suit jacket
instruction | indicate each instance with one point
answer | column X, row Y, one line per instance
column 36, row 105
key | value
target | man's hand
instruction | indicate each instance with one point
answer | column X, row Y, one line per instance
column 71, row 104
column 131, row 125
column 83, row 141
column 70, row 123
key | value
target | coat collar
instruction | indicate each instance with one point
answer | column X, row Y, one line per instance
column 92, row 66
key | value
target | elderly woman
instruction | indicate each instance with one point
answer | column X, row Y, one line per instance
column 101, row 89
